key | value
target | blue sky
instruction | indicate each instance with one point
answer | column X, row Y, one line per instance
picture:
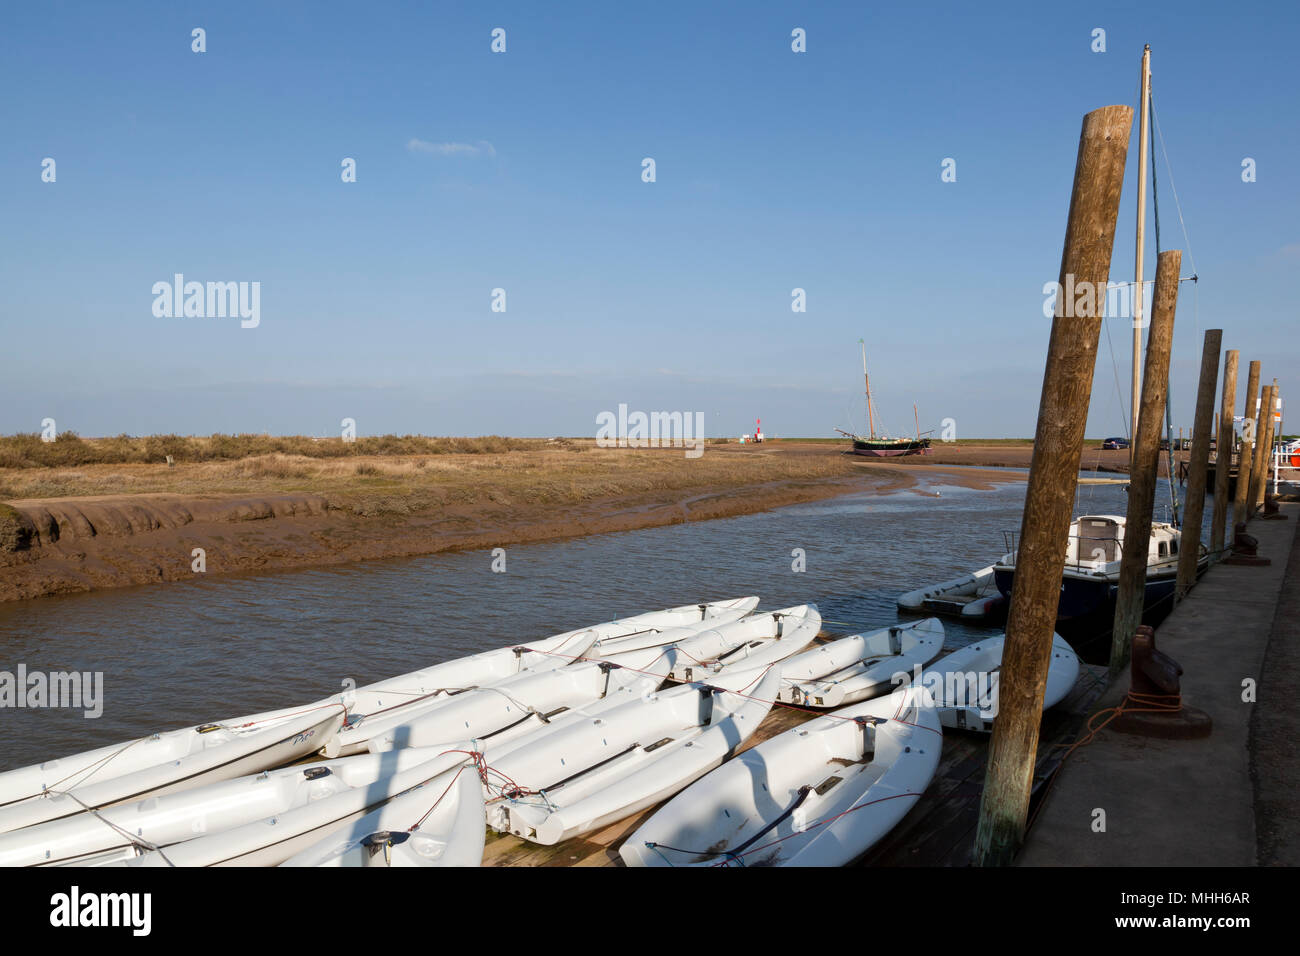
column 775, row 170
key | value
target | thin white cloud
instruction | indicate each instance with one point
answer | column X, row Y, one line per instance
column 481, row 148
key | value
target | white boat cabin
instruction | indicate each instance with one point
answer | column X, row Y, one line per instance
column 1096, row 545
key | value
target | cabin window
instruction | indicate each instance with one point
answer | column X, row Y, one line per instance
column 1173, row 547
column 1164, row 549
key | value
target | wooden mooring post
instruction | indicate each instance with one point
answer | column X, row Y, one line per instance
column 1224, row 438
column 1246, row 459
column 1266, row 444
column 1146, row 462
column 1053, row 479
column 1198, row 464
column 1259, row 468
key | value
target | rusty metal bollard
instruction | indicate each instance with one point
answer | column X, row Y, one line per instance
column 1154, row 706
column 1245, row 549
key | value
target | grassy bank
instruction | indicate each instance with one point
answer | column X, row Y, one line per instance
column 28, row 450
column 395, row 483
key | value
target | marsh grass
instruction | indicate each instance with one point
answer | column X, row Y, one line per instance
column 408, row 483
column 27, row 450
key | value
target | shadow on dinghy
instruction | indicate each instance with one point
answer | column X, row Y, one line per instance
column 440, row 823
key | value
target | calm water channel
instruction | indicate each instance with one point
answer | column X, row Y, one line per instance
column 183, row 653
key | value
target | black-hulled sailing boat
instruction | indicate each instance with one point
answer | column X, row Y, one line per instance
column 875, row 446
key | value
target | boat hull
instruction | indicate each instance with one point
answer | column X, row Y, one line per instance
column 1083, row 597
column 891, row 449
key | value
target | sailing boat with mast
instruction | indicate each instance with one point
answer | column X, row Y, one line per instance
column 1090, row 579
column 881, row 446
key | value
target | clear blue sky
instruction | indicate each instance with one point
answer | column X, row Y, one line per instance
column 774, row 170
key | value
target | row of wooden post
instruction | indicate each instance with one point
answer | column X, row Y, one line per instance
column 1054, row 472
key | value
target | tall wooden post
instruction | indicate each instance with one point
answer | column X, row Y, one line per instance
column 1053, row 478
column 1198, row 464
column 1266, row 444
column 1146, row 462
column 1223, row 453
column 1246, row 459
column 1259, row 467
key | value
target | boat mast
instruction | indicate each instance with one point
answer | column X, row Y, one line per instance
column 871, row 419
column 1143, row 145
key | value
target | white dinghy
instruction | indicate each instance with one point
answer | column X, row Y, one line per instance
column 377, row 707
column 125, row 831
column 973, row 597
column 553, row 785
column 166, row 763
column 273, row 839
column 757, row 641
column 860, row 667
column 821, row 794
column 437, row 824
column 665, row 627
column 533, row 699
column 962, row 686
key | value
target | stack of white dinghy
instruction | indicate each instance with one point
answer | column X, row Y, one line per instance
column 595, row 769
column 336, row 802
column 125, row 831
column 861, row 666
column 67, row 810
column 164, row 763
column 963, row 686
column 821, row 794
column 377, row 708
column 757, row 641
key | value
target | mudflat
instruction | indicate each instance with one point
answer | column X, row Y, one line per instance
column 99, row 525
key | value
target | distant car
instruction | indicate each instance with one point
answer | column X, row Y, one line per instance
column 1113, row 443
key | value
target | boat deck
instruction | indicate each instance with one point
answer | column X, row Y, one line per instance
column 939, row 830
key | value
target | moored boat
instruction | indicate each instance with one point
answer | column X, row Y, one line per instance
column 1090, row 580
